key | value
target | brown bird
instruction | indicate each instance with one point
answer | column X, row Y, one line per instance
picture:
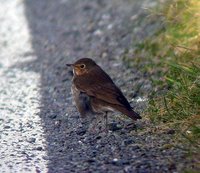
column 94, row 91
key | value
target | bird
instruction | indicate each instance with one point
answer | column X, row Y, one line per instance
column 94, row 91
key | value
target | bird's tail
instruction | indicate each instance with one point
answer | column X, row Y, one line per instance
column 130, row 113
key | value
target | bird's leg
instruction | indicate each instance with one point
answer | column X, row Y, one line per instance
column 106, row 121
column 93, row 123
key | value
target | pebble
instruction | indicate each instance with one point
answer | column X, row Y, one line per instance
column 39, row 148
column 114, row 126
column 7, row 127
column 171, row 132
column 52, row 116
column 128, row 142
column 31, row 140
column 81, row 132
column 98, row 32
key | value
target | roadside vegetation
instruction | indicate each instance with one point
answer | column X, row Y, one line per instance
column 171, row 59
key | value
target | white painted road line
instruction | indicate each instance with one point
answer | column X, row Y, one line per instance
column 22, row 142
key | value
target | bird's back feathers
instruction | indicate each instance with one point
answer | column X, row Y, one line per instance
column 96, row 83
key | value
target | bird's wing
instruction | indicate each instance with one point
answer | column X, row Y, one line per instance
column 98, row 84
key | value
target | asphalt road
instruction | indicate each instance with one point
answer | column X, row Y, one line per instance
column 40, row 129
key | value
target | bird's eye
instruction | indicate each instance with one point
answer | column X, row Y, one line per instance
column 82, row 66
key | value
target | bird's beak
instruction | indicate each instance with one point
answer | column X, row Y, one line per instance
column 69, row 65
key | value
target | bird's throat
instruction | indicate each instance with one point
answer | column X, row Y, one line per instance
column 79, row 72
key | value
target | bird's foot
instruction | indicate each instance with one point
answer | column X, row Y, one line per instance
column 131, row 126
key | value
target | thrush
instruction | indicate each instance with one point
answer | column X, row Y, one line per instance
column 94, row 91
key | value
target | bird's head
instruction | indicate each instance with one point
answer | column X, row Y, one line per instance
column 82, row 66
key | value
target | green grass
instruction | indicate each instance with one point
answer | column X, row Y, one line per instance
column 171, row 58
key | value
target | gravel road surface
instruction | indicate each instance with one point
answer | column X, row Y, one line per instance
column 40, row 129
